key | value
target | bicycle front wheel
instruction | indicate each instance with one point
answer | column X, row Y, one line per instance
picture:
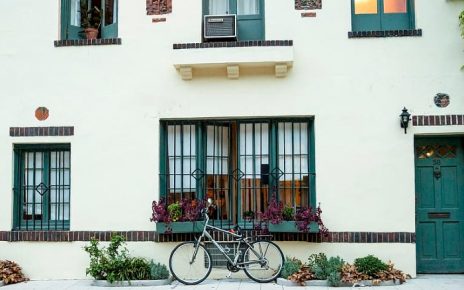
column 190, row 263
column 264, row 263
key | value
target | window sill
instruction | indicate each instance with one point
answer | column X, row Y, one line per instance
column 87, row 42
column 274, row 56
column 385, row 33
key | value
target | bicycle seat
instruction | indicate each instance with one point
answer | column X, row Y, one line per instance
column 237, row 229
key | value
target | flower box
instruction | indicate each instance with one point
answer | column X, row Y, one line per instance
column 179, row 227
column 290, row 227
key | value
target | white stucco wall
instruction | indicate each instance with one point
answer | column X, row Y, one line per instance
column 115, row 95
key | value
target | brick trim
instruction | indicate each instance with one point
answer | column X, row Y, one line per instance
column 87, row 42
column 151, row 236
column 41, row 131
column 385, row 33
column 437, row 120
column 233, row 44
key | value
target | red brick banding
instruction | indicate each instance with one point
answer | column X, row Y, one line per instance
column 437, row 120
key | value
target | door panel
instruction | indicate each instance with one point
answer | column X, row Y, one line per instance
column 110, row 19
column 439, row 205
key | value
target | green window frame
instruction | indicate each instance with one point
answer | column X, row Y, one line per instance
column 42, row 186
column 240, row 163
column 379, row 20
column 70, row 18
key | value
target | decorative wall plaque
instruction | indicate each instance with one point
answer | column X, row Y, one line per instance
column 441, row 100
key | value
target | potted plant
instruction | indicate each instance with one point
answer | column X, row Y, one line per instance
column 90, row 20
column 249, row 215
column 178, row 217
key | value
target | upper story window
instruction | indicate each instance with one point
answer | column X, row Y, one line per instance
column 89, row 19
column 382, row 15
column 42, row 187
column 250, row 15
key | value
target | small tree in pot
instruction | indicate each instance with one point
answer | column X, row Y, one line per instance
column 90, row 19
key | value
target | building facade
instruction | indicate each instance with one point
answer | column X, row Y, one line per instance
column 297, row 99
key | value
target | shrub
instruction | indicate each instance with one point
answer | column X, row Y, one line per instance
column 175, row 211
column 334, row 270
column 158, row 271
column 288, row 214
column 370, row 265
column 291, row 266
column 318, row 264
column 11, row 273
column 114, row 263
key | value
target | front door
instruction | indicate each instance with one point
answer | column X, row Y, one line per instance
column 439, row 205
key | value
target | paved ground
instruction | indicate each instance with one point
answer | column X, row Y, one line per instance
column 422, row 282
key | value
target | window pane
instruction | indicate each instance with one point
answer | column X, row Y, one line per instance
column 75, row 13
column 247, row 7
column 395, row 6
column 110, row 15
column 365, row 6
column 217, row 7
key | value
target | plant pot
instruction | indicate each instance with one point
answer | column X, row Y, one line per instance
column 290, row 227
column 180, row 227
column 91, row 33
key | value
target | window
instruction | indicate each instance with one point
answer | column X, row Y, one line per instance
column 250, row 15
column 104, row 18
column 239, row 164
column 382, row 15
column 42, row 187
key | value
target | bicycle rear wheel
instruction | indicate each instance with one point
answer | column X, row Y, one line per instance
column 266, row 264
column 190, row 265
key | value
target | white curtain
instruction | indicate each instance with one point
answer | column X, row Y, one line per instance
column 75, row 13
column 217, row 150
column 253, row 155
column 247, row 7
column 217, row 7
column 182, row 157
column 293, row 150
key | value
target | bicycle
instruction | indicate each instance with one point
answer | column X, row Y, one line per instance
column 190, row 262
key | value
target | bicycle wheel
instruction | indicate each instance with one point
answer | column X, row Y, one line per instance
column 188, row 269
column 266, row 264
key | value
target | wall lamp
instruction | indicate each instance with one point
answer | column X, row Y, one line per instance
column 404, row 119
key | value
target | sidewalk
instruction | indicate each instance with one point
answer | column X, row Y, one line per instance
column 422, row 282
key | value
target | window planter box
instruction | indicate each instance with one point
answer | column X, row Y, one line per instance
column 180, row 227
column 290, row 227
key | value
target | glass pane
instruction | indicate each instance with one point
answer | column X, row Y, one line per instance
column 110, row 12
column 75, row 13
column 247, row 7
column 365, row 6
column 217, row 7
column 395, row 6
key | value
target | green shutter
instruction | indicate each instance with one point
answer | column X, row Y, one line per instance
column 68, row 31
column 110, row 30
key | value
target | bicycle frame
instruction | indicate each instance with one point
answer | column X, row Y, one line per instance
column 239, row 238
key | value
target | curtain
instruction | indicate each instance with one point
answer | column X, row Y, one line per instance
column 75, row 13
column 247, row 7
column 217, row 7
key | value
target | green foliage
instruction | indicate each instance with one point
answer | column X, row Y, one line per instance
column 288, row 214
column 370, row 265
column 324, row 268
column 158, row 271
column 175, row 211
column 90, row 18
column 114, row 263
column 291, row 266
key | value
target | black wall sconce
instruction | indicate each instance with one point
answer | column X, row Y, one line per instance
column 405, row 118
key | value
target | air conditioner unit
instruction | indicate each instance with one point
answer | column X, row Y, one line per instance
column 220, row 26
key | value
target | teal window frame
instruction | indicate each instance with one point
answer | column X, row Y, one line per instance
column 249, row 27
column 71, row 32
column 274, row 187
column 21, row 186
column 383, row 21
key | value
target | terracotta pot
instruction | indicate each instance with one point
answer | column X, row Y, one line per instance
column 91, row 33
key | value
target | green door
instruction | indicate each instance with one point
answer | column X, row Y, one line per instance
column 250, row 15
column 439, row 205
column 71, row 19
column 109, row 19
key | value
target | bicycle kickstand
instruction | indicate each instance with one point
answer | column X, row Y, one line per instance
column 229, row 275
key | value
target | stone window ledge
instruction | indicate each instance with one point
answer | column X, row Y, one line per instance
column 87, row 42
column 385, row 33
column 272, row 55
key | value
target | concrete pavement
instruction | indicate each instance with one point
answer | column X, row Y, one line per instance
column 422, row 282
